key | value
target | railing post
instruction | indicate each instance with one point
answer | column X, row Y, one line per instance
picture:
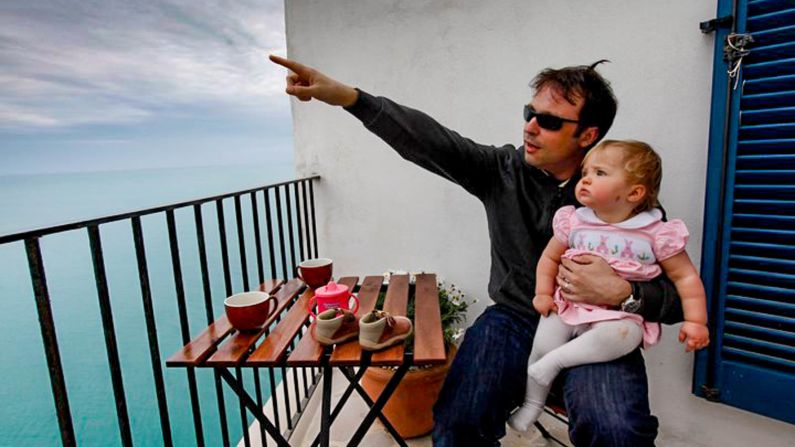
column 208, row 309
column 110, row 334
column 257, row 238
column 151, row 330
column 47, row 324
column 312, row 207
column 183, row 322
column 241, row 242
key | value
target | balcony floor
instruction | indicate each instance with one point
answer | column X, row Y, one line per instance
column 355, row 410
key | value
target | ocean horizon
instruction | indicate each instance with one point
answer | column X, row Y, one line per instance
column 34, row 201
column 37, row 200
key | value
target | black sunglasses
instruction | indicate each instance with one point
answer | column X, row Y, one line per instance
column 545, row 120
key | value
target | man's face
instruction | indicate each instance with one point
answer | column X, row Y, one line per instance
column 558, row 152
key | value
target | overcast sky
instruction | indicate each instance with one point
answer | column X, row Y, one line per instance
column 91, row 85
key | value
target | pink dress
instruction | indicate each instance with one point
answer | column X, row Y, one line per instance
column 633, row 248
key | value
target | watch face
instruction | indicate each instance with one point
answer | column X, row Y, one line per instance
column 631, row 305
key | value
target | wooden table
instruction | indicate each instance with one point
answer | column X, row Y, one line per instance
column 220, row 347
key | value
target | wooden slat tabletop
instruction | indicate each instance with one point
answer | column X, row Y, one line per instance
column 214, row 347
column 205, row 343
column 232, row 351
column 396, row 302
column 270, row 285
column 274, row 348
column 351, row 353
column 428, row 338
column 308, row 351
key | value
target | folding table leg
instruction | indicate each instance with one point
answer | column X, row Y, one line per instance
column 325, row 416
column 237, row 387
column 348, row 373
column 243, row 418
column 354, row 385
column 379, row 405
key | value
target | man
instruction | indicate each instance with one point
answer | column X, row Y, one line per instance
column 520, row 189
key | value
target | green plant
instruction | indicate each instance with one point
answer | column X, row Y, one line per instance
column 453, row 308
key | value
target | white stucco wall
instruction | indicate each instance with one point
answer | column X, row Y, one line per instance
column 468, row 63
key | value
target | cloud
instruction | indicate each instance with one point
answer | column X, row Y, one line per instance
column 68, row 63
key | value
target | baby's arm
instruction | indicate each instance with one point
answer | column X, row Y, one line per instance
column 546, row 271
column 683, row 273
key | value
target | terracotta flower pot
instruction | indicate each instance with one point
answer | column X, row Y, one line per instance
column 410, row 409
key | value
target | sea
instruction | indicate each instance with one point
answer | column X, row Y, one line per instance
column 27, row 410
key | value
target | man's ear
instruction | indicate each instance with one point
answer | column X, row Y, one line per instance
column 588, row 136
column 636, row 194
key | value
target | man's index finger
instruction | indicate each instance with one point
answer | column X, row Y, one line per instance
column 289, row 64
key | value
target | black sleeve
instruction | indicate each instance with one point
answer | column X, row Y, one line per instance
column 422, row 140
column 659, row 300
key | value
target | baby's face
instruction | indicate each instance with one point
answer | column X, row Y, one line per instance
column 604, row 185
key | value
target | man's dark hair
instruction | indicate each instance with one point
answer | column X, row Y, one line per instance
column 582, row 81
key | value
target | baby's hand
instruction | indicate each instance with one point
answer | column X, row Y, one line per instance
column 695, row 335
column 544, row 304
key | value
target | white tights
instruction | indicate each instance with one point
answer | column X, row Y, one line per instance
column 558, row 345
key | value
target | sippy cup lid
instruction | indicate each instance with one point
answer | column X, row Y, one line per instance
column 331, row 289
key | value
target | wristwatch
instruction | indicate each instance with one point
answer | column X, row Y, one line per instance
column 631, row 304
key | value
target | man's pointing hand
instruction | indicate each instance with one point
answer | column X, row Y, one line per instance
column 306, row 83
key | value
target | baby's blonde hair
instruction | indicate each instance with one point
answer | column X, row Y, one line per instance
column 642, row 166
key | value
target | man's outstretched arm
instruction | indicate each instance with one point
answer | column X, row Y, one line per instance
column 416, row 136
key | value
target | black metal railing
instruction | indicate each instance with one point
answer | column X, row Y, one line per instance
column 281, row 219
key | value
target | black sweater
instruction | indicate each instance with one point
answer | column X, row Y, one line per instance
column 519, row 200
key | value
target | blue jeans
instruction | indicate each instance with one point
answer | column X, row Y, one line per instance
column 607, row 403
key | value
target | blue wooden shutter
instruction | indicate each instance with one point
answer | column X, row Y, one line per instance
column 749, row 244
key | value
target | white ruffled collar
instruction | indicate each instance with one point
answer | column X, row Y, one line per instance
column 641, row 220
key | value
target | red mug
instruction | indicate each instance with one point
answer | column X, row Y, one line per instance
column 332, row 296
column 247, row 311
column 315, row 272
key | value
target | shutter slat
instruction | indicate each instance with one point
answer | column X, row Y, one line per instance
column 773, row 115
column 753, row 356
column 762, row 277
column 782, row 188
column 775, row 35
column 762, row 100
column 758, row 262
column 750, row 153
column 771, row 221
column 765, row 292
column 763, row 317
column 782, row 237
column 758, row 206
column 768, row 84
column 769, row 68
column 761, row 53
column 775, row 306
column 762, row 331
column 774, row 349
column 759, row 7
column 775, row 19
column 751, row 191
column 766, row 175
column 772, row 250
column 756, row 131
